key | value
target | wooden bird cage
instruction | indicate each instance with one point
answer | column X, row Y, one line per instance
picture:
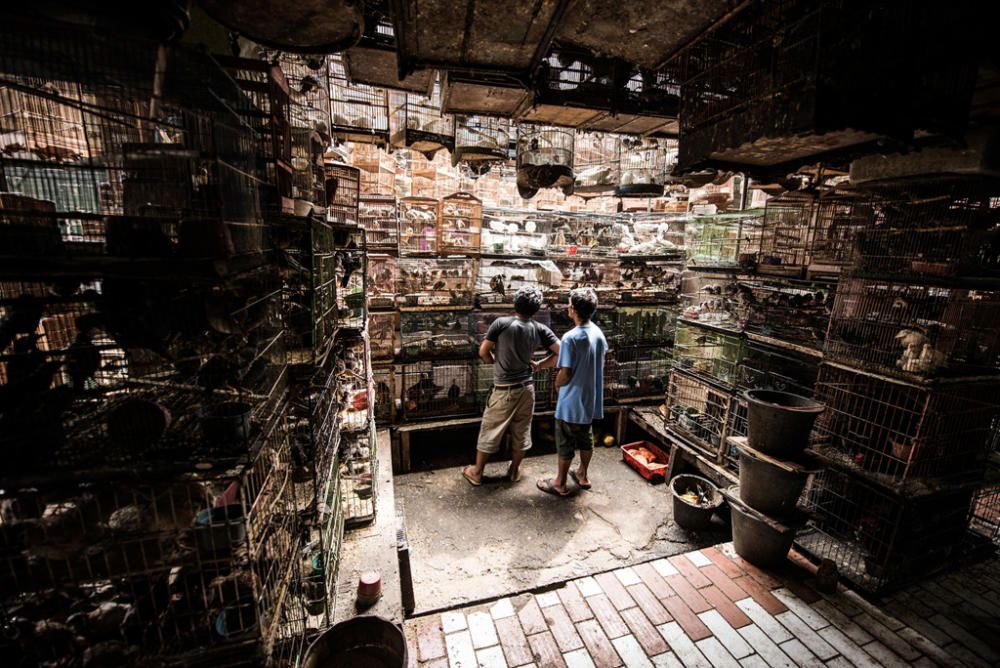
column 359, row 112
column 381, row 280
column 595, row 164
column 379, row 216
column 416, row 122
column 460, row 220
column 343, row 184
column 418, row 217
column 544, row 159
column 643, row 166
column 481, row 142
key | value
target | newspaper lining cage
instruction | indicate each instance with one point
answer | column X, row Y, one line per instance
column 381, row 281
column 635, row 373
column 418, row 219
column 795, row 312
column 359, row 112
column 481, row 142
column 460, row 220
column 342, row 184
column 709, row 351
column 904, row 433
column 309, row 111
column 698, row 411
column 879, row 540
column 438, row 389
column 509, row 232
column 378, row 215
column 427, row 334
column 586, row 234
column 544, row 159
column 643, row 165
column 383, row 327
column 785, row 236
column 499, row 279
column 417, row 123
column 441, row 282
column 718, row 240
column 915, row 331
column 656, row 234
column 596, row 163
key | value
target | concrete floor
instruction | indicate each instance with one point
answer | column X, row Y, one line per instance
column 477, row 543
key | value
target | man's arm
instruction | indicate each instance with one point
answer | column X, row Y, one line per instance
column 563, row 377
column 548, row 362
column 486, row 351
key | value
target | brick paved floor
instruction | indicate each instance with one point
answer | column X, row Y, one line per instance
column 711, row 608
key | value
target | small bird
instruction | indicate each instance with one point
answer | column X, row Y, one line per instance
column 83, row 359
column 454, row 392
column 496, row 284
column 308, row 84
column 440, row 285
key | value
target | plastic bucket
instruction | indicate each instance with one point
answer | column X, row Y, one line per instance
column 769, row 488
column 757, row 538
column 778, row 423
column 360, row 642
column 689, row 515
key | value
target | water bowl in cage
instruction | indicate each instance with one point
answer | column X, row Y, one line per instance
column 218, row 530
column 236, row 620
column 227, row 423
column 137, row 423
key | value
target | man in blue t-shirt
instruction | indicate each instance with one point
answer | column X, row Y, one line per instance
column 580, row 383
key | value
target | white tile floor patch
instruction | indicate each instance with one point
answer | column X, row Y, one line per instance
column 698, row 559
column 460, row 651
column 481, row 628
column 491, row 657
column 588, row 586
column 665, row 568
column 502, row 609
column 631, row 652
column 627, row 577
column 547, row 599
column 579, row 658
column 453, row 621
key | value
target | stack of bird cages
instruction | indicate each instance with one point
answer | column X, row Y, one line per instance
column 379, row 216
column 659, row 235
column 596, row 163
column 572, row 86
column 880, row 540
column 636, row 373
column 499, row 279
column 309, row 117
column 358, row 478
column 770, row 367
column 383, row 335
column 580, row 272
column 784, row 240
column 985, row 519
column 481, row 142
column 708, row 351
column 544, row 159
column 643, row 166
column 646, row 325
column 584, row 234
column 446, row 282
column 351, row 275
column 543, row 385
column 438, row 389
column 915, row 331
column 416, row 122
column 435, row 334
column 560, row 321
column 321, row 555
column 839, row 218
column 418, row 219
column 932, row 232
column 794, row 312
column 378, row 169
column 901, row 433
column 460, row 220
column 723, row 240
column 698, row 411
column 352, row 377
column 511, row 232
column 650, row 281
column 711, row 298
column 359, row 113
column 342, row 184
column 381, row 281
column 385, row 394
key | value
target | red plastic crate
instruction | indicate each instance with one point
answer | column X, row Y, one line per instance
column 651, row 474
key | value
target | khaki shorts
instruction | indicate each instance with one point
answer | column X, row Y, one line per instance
column 571, row 437
column 507, row 408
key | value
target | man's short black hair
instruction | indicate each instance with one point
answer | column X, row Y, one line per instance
column 584, row 301
column 527, row 301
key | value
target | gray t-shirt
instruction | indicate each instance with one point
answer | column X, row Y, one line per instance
column 516, row 340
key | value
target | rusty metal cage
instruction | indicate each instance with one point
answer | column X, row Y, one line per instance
column 794, row 312
column 381, row 281
column 985, row 518
column 481, row 142
column 379, row 216
column 342, row 184
column 643, row 165
column 544, row 159
column 915, row 331
column 878, row 540
column 499, row 279
column 460, row 221
column 720, row 240
column 839, row 218
column 359, row 112
column 770, row 367
column 440, row 283
column 903, row 434
column 636, row 373
column 418, row 220
column 416, row 122
column 430, row 334
column 698, row 411
column 438, row 389
column 709, row 351
column 383, row 335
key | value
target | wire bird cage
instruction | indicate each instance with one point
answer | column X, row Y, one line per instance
column 595, row 164
column 379, row 216
column 435, row 282
column 794, row 312
column 652, row 324
column 839, row 219
column 543, row 385
column 353, row 383
column 767, row 367
column 416, row 122
column 499, row 279
column 605, row 318
column 460, row 221
column 342, row 184
column 359, row 112
column 418, row 220
column 636, row 373
column 309, row 117
column 719, row 240
column 601, row 275
column 941, row 231
column 785, row 232
column 708, row 351
column 653, row 234
column 358, row 476
column 650, row 281
column 429, row 334
column 698, row 411
column 915, row 331
column 711, row 299
column 544, row 159
column 878, row 540
column 511, row 232
column 985, row 518
column 381, row 281
column 903, row 434
column 584, row 234
column 378, row 170
column 572, row 86
column 438, row 389
column 386, row 394
column 481, row 142
column 643, row 166
column 383, row 334
column 481, row 321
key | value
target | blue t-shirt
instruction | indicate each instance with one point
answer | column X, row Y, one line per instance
column 581, row 401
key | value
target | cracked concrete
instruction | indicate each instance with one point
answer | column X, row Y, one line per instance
column 476, row 543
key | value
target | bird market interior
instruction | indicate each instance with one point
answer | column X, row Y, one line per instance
column 248, row 252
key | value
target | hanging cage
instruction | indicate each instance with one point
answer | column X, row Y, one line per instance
column 544, row 159
column 416, row 122
column 343, row 185
column 358, row 112
column 460, row 221
column 481, row 142
column 643, row 166
column 595, row 164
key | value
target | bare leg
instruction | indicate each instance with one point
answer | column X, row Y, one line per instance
column 476, row 470
column 516, row 457
column 560, row 480
column 581, row 470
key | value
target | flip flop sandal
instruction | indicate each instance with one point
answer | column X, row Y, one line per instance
column 576, row 479
column 514, row 478
column 472, row 481
column 547, row 487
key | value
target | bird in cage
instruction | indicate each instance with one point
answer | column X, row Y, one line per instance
column 421, row 393
column 497, row 285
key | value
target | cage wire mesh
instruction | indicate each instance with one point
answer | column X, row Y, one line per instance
column 586, row 234
column 785, row 232
column 359, row 112
column 381, row 280
column 384, row 379
column 481, row 142
column 416, row 122
column 514, row 232
column 573, row 78
column 708, row 351
column 643, row 165
column 653, row 234
column 342, row 184
column 985, row 518
column 438, row 389
column 418, row 220
column 766, row 367
column 433, row 282
column 649, row 281
column 309, row 87
column 429, row 334
column 481, row 320
column 840, row 217
column 711, row 299
column 379, row 216
column 795, row 312
column 383, row 328
column 636, row 373
column 596, row 163
column 378, row 170
column 459, row 225
column 579, row 272
column 351, row 271
column 716, row 240
column 698, row 411
column 543, row 385
column 499, row 279
column 645, row 325
column 544, row 159
column 358, row 467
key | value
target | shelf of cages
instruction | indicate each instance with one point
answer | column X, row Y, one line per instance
column 767, row 367
column 309, row 115
column 636, row 373
column 435, row 283
column 653, row 234
column 481, row 142
column 880, row 541
column 359, row 112
column 915, row 331
column 383, row 335
column 722, row 240
column 438, row 389
column 644, row 164
column 481, row 321
column 645, row 325
column 584, row 234
column 386, row 393
column 736, row 433
column 321, row 563
column 785, row 235
column 543, row 385
column 343, row 186
column 459, row 224
column 498, row 279
column 418, row 220
column 379, row 216
column 796, row 313
column 358, row 476
column 711, row 299
column 603, row 275
column 516, row 233
column 840, row 217
column 416, row 122
column 382, row 272
column 646, row 281
column 947, row 231
column 708, row 351
column 605, row 318
column 436, row 334
column 595, row 164
column 169, row 568
column 907, row 436
column 544, row 159
column 698, row 410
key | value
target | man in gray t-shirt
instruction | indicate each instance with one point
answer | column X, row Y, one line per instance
column 509, row 346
